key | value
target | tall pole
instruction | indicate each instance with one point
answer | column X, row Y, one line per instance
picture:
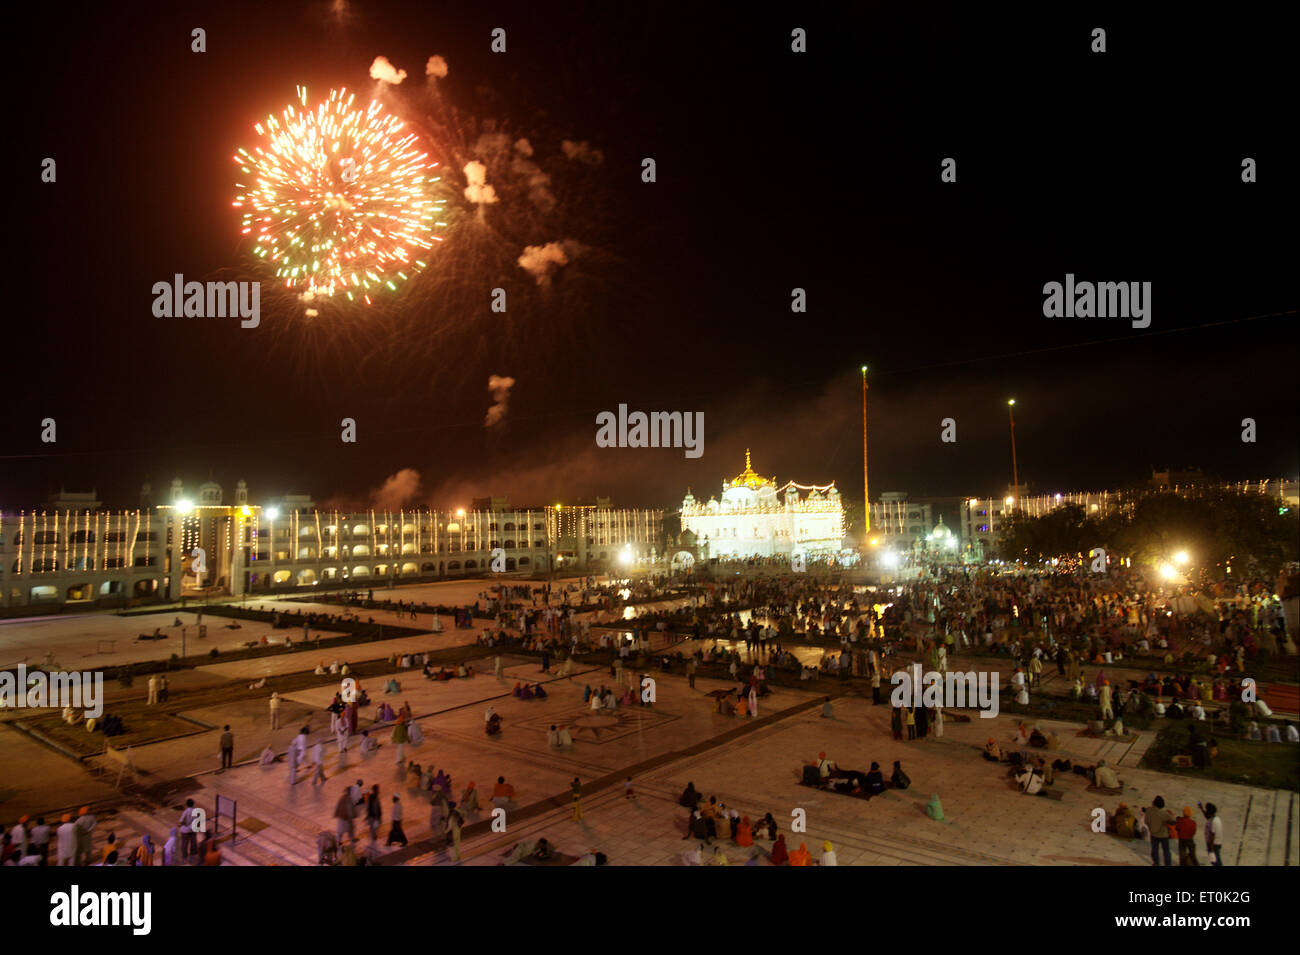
column 866, row 490
column 1015, row 473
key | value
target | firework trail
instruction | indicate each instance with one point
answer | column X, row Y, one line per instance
column 340, row 200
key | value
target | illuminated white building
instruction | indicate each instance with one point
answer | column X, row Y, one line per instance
column 755, row 518
column 74, row 553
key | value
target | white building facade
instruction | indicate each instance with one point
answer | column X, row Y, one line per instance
column 755, row 518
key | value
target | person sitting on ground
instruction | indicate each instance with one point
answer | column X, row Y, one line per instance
column 780, row 856
column 1030, row 782
column 1036, row 738
column 900, row 779
column 825, row 767
column 368, row 746
column 503, row 794
column 875, row 781
column 268, row 756
column 801, row 856
column 553, row 737
column 992, row 751
column 526, row 693
column 690, row 797
column 767, row 828
column 744, row 832
column 320, row 668
column 544, row 852
column 1106, row 777
column 1124, row 823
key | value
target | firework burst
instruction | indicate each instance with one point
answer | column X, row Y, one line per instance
column 340, row 200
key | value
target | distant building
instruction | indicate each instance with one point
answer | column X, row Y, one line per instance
column 200, row 545
column 755, row 518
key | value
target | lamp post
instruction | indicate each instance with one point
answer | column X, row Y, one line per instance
column 866, row 491
column 1015, row 473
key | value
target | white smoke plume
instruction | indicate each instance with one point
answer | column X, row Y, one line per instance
column 478, row 191
column 500, row 388
column 384, row 71
column 436, row 66
column 541, row 261
column 539, row 183
column 398, row 491
column 582, row 152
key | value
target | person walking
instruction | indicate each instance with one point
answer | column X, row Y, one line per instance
column 341, row 734
column 153, row 691
column 454, row 823
column 275, row 711
column 189, row 841
column 1186, row 829
column 318, row 757
column 575, row 787
column 1158, row 820
column 374, row 812
column 345, row 814
column 496, row 668
column 396, row 836
column 690, row 672
column 1213, row 833
column 66, row 841
column 227, row 748
column 85, row 826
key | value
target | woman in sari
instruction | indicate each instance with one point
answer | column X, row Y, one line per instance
column 801, row 856
column 744, row 833
column 934, row 809
column 779, row 854
column 690, row 797
column 896, row 722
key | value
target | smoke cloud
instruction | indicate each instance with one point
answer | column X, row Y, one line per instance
column 541, row 261
column 384, row 71
column 397, row 491
column 582, row 152
column 500, row 388
column 436, row 66
column 478, row 191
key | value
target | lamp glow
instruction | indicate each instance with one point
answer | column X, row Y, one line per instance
column 1181, row 557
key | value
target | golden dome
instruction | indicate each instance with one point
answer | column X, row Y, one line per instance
column 747, row 478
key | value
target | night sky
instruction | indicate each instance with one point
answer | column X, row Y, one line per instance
column 775, row 170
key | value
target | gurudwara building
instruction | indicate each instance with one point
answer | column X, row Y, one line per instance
column 755, row 518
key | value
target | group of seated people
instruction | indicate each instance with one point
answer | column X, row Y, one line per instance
column 443, row 673
column 559, row 738
column 108, row 724
column 523, row 691
column 604, row 698
column 826, row 774
column 334, row 668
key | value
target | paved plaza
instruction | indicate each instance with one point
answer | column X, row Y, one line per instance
column 988, row 822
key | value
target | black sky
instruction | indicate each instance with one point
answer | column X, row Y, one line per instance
column 775, row 170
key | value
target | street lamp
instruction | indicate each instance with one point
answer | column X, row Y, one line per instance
column 1181, row 557
column 1015, row 472
column 866, row 489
